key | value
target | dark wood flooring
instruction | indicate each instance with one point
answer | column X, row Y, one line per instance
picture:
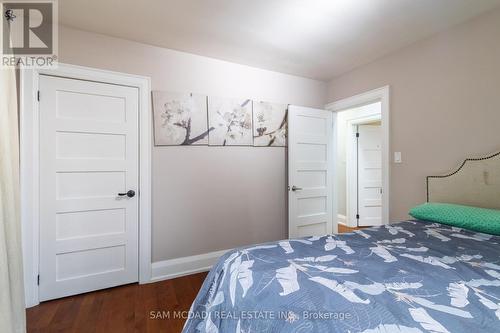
column 130, row 308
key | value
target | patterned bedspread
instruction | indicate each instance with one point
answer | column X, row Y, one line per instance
column 412, row 276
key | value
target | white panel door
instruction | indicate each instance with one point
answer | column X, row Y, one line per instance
column 310, row 172
column 88, row 161
column 369, row 175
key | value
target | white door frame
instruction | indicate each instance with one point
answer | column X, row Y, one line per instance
column 29, row 167
column 381, row 95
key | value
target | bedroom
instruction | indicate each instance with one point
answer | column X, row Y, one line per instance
column 82, row 257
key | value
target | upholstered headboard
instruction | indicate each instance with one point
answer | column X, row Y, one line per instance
column 475, row 183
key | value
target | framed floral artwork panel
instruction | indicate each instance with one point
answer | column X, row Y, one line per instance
column 231, row 120
column 269, row 124
column 180, row 119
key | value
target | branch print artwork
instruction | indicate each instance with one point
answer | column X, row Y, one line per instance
column 270, row 124
column 180, row 119
column 231, row 120
column 193, row 119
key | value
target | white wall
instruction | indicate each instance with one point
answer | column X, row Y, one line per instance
column 205, row 198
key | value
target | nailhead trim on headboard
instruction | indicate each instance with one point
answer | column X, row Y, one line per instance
column 459, row 168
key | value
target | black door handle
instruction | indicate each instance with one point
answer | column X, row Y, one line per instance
column 130, row 194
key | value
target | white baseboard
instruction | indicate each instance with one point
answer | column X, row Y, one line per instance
column 172, row 268
column 342, row 219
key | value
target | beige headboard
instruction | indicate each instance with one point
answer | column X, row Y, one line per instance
column 475, row 183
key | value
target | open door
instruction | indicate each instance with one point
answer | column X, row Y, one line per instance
column 311, row 172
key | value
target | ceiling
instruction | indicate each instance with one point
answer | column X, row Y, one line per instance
column 318, row 39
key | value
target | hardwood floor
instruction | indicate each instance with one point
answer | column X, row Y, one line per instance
column 343, row 228
column 130, row 308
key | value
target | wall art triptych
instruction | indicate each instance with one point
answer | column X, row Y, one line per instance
column 194, row 119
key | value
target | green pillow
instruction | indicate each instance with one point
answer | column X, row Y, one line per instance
column 467, row 217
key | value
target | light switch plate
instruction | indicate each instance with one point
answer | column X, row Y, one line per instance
column 397, row 157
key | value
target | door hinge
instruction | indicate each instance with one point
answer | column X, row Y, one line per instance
column 357, row 216
column 38, row 279
column 38, row 95
column 357, row 135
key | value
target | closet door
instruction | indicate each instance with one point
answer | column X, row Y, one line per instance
column 88, row 178
column 311, row 172
column 369, row 175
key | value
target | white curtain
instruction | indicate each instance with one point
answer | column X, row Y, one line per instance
column 12, row 312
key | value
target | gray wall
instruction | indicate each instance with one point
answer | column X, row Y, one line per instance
column 445, row 103
column 205, row 198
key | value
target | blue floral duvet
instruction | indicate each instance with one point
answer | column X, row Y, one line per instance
column 412, row 276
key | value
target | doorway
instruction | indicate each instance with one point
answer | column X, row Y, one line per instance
column 85, row 180
column 361, row 185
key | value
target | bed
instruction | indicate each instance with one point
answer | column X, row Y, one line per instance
column 412, row 276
